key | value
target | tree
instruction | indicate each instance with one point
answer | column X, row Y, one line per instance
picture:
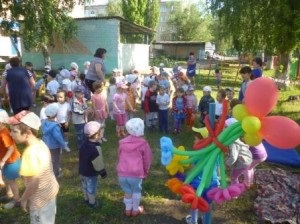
column 269, row 25
column 114, row 8
column 189, row 24
column 141, row 12
column 40, row 20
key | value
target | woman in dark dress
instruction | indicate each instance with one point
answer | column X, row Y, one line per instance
column 20, row 82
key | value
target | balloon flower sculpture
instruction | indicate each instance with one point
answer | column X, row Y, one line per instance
column 253, row 124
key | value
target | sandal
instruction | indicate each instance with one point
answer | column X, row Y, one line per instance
column 138, row 212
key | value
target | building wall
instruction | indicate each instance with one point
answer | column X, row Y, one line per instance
column 135, row 56
column 178, row 51
column 92, row 34
column 6, row 47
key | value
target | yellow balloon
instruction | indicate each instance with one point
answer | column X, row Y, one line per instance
column 252, row 139
column 239, row 112
column 251, row 124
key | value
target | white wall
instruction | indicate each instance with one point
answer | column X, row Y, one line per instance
column 6, row 47
column 135, row 56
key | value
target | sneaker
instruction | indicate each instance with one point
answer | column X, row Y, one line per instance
column 138, row 212
column 5, row 199
column 67, row 149
column 188, row 220
column 11, row 204
column 95, row 205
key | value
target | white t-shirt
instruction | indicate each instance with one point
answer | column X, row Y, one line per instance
column 219, row 108
column 52, row 87
column 163, row 101
column 66, row 85
column 112, row 89
column 143, row 92
column 63, row 111
column 42, row 114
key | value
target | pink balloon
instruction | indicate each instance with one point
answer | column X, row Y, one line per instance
column 261, row 97
column 281, row 132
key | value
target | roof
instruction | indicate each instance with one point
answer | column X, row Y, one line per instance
column 126, row 26
column 179, row 42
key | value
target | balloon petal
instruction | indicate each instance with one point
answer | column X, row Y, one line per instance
column 261, row 97
column 281, row 132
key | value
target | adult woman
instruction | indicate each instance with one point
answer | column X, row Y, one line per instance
column 20, row 82
column 97, row 69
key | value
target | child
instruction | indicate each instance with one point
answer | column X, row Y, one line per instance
column 91, row 163
column 79, row 113
column 119, row 102
column 133, row 165
column 239, row 158
column 191, row 67
column 229, row 94
column 41, row 186
column 9, row 164
column 205, row 100
column 63, row 116
column 191, row 107
column 257, row 68
column 29, row 67
column 66, row 83
column 46, row 100
column 52, row 85
column 221, row 95
column 111, row 90
column 246, row 74
column 86, row 65
column 206, row 218
column 132, row 96
column 150, row 106
column 218, row 75
column 53, row 136
column 163, row 102
column 178, row 109
column 100, row 107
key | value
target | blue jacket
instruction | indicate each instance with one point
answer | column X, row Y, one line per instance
column 52, row 135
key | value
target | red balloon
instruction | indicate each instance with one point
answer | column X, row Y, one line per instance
column 261, row 97
column 281, row 132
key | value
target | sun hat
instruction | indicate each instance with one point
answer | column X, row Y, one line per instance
column 51, row 110
column 91, row 128
column 3, row 115
column 26, row 117
column 79, row 88
column 203, row 131
column 207, row 89
column 122, row 85
column 130, row 78
column 115, row 70
column 74, row 65
column 230, row 121
column 229, row 89
column 135, row 127
column 65, row 73
column 86, row 63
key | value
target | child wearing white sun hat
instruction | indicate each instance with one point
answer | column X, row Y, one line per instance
column 133, row 165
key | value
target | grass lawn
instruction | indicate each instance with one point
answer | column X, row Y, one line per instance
column 160, row 204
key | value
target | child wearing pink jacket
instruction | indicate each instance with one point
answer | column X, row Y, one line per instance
column 133, row 166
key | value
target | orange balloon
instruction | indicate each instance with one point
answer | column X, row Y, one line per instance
column 261, row 97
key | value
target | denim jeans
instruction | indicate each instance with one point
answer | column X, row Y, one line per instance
column 131, row 185
column 80, row 137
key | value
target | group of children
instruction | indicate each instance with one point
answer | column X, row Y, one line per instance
column 64, row 103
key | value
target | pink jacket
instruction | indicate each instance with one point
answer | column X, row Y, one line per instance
column 135, row 157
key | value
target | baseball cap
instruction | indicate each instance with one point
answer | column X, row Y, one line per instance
column 26, row 117
column 3, row 115
column 51, row 110
column 207, row 89
column 91, row 128
column 203, row 131
column 135, row 127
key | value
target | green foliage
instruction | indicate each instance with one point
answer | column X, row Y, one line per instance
column 189, row 23
column 141, row 12
column 114, row 8
column 40, row 21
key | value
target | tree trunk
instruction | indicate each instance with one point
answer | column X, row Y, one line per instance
column 46, row 55
column 285, row 60
column 14, row 42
